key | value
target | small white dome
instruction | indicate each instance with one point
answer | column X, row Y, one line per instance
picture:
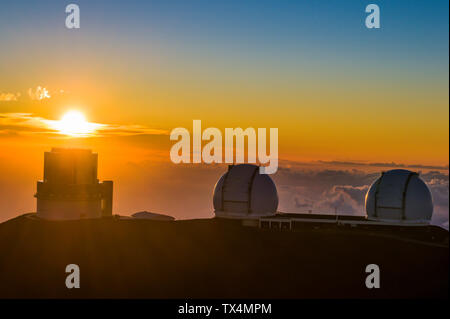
column 399, row 195
column 243, row 192
column 152, row 216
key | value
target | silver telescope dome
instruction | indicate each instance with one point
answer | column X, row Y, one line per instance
column 399, row 196
column 243, row 192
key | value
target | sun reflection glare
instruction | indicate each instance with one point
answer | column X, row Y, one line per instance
column 74, row 123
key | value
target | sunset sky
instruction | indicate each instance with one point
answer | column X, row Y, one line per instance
column 344, row 98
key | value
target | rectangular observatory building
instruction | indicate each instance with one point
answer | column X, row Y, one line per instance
column 70, row 189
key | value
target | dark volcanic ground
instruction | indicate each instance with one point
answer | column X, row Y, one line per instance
column 215, row 259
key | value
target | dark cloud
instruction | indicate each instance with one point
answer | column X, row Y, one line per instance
column 303, row 203
column 340, row 203
column 356, row 193
column 384, row 165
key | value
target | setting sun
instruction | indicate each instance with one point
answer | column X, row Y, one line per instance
column 74, row 123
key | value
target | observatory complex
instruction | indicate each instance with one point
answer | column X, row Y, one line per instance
column 397, row 198
column 70, row 188
column 236, row 254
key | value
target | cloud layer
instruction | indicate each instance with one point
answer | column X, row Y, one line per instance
column 9, row 97
column 27, row 123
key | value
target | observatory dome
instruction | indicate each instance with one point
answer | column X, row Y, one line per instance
column 244, row 193
column 399, row 196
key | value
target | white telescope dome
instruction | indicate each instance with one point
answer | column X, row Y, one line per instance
column 399, row 196
column 243, row 192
